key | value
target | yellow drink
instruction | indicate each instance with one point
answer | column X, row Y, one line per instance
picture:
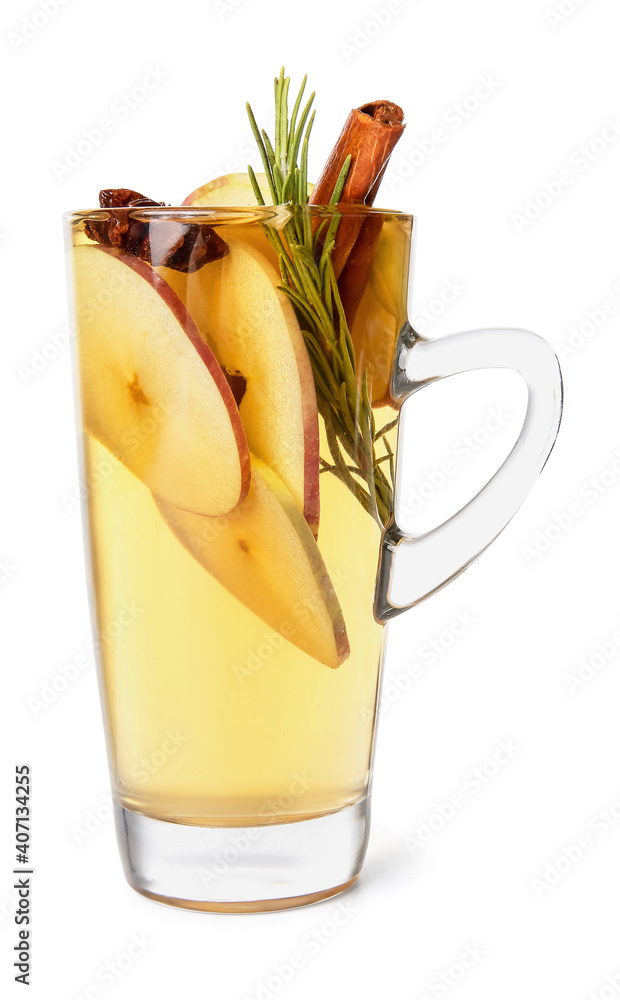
column 256, row 719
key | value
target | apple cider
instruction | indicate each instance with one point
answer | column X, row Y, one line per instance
column 241, row 690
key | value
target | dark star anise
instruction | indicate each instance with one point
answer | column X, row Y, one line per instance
column 159, row 241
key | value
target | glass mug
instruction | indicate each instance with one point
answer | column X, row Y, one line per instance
column 237, row 603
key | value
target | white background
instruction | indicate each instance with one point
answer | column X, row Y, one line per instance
column 496, row 876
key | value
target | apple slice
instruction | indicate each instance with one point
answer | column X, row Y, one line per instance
column 231, row 190
column 265, row 555
column 383, row 311
column 153, row 392
column 251, row 326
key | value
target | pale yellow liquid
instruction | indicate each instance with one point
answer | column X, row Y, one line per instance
column 290, row 728
column 213, row 717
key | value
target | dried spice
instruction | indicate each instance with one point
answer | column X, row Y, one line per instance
column 368, row 137
column 237, row 383
column 160, row 242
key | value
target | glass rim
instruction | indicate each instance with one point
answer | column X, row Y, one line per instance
column 213, row 214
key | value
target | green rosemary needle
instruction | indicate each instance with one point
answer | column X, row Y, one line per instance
column 309, row 281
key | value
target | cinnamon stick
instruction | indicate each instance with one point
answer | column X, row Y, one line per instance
column 356, row 271
column 369, row 136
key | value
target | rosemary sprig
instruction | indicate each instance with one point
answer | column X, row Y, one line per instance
column 309, row 280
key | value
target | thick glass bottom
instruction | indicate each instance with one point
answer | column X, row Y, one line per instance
column 239, row 869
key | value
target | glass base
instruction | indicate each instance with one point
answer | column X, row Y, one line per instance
column 237, row 869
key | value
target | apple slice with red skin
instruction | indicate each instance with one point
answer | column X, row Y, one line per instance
column 152, row 390
column 251, row 326
column 265, row 555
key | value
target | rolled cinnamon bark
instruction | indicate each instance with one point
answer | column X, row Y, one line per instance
column 356, row 271
column 369, row 136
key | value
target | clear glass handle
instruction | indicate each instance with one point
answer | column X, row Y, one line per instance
column 412, row 567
